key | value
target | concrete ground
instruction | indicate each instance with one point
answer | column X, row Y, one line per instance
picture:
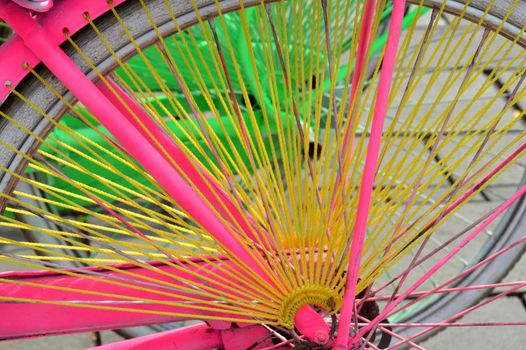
column 504, row 337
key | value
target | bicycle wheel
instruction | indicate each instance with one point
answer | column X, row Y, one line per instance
column 445, row 120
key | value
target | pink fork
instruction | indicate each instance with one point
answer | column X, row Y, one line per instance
column 373, row 150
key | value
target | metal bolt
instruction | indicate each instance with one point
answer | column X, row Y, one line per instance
column 321, row 338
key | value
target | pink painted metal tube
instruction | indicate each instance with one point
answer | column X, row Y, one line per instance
column 311, row 325
column 309, row 322
column 74, row 79
column 366, row 188
column 362, row 51
column 79, row 292
column 32, row 319
column 196, row 337
column 65, row 14
column 209, row 187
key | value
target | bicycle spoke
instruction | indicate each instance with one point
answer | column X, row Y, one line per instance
column 369, row 172
column 390, row 306
column 460, row 314
column 311, row 169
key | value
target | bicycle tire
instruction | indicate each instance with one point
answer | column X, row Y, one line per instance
column 26, row 116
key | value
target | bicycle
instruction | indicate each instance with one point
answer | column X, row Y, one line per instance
column 266, row 271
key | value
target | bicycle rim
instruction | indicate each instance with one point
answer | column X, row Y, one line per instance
column 249, row 126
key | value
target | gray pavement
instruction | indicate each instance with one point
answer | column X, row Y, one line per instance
column 508, row 309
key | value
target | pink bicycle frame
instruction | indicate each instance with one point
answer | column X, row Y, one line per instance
column 29, row 319
column 65, row 14
column 37, row 40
